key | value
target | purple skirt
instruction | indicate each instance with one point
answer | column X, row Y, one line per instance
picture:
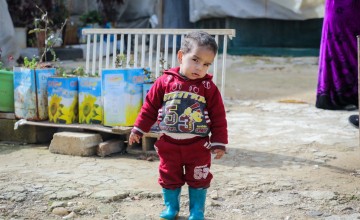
column 338, row 78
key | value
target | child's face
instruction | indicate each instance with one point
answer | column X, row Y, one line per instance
column 195, row 63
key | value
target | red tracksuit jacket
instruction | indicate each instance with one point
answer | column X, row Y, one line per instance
column 182, row 106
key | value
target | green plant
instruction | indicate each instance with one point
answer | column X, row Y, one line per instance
column 149, row 77
column 69, row 72
column 31, row 64
column 120, row 60
column 162, row 62
column 80, row 71
column 63, row 72
column 91, row 17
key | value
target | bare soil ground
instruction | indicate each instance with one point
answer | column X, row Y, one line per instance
column 286, row 160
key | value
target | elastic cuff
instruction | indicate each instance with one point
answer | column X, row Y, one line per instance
column 218, row 147
column 137, row 132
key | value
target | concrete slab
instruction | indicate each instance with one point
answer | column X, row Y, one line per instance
column 75, row 143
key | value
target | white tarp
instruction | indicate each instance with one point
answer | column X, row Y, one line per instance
column 8, row 44
column 274, row 9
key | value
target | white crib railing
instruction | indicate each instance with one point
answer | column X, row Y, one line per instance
column 146, row 47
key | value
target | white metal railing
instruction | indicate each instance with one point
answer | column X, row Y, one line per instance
column 143, row 45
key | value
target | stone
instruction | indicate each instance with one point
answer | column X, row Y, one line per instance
column 57, row 204
column 109, row 195
column 60, row 211
column 110, row 147
column 66, row 194
column 318, row 195
column 75, row 143
column 70, row 216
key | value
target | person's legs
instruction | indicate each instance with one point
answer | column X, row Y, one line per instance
column 197, row 161
column 197, row 197
column 171, row 177
column 197, row 176
column 172, row 203
column 337, row 87
column 170, row 167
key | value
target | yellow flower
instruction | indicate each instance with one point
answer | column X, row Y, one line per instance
column 97, row 115
column 68, row 115
column 131, row 112
column 74, row 109
column 86, row 108
column 54, row 107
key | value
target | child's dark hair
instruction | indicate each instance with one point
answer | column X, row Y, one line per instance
column 198, row 38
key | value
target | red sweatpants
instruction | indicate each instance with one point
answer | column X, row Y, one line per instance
column 184, row 161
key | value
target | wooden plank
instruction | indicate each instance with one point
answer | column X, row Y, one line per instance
column 121, row 130
column 147, row 143
column 94, row 127
column 152, row 135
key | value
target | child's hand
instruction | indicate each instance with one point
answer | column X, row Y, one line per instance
column 134, row 138
column 219, row 153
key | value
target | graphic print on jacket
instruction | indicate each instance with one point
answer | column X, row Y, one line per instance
column 184, row 112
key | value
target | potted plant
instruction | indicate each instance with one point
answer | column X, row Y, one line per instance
column 23, row 13
column 91, row 19
column 30, row 80
column 6, row 86
column 48, row 35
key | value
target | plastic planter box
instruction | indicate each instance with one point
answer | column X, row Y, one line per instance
column 6, row 91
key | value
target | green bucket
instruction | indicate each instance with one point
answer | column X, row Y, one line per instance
column 6, row 91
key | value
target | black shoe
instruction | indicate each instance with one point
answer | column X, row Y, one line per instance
column 354, row 120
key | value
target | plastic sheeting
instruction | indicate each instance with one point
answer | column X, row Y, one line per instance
column 274, row 9
column 8, row 44
column 129, row 13
column 138, row 14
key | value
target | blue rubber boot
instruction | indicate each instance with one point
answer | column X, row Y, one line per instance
column 172, row 203
column 197, row 203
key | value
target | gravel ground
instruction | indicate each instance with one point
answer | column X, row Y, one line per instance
column 285, row 160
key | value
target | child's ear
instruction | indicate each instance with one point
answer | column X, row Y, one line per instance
column 179, row 56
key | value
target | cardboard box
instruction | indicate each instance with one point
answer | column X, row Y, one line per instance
column 6, row 91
